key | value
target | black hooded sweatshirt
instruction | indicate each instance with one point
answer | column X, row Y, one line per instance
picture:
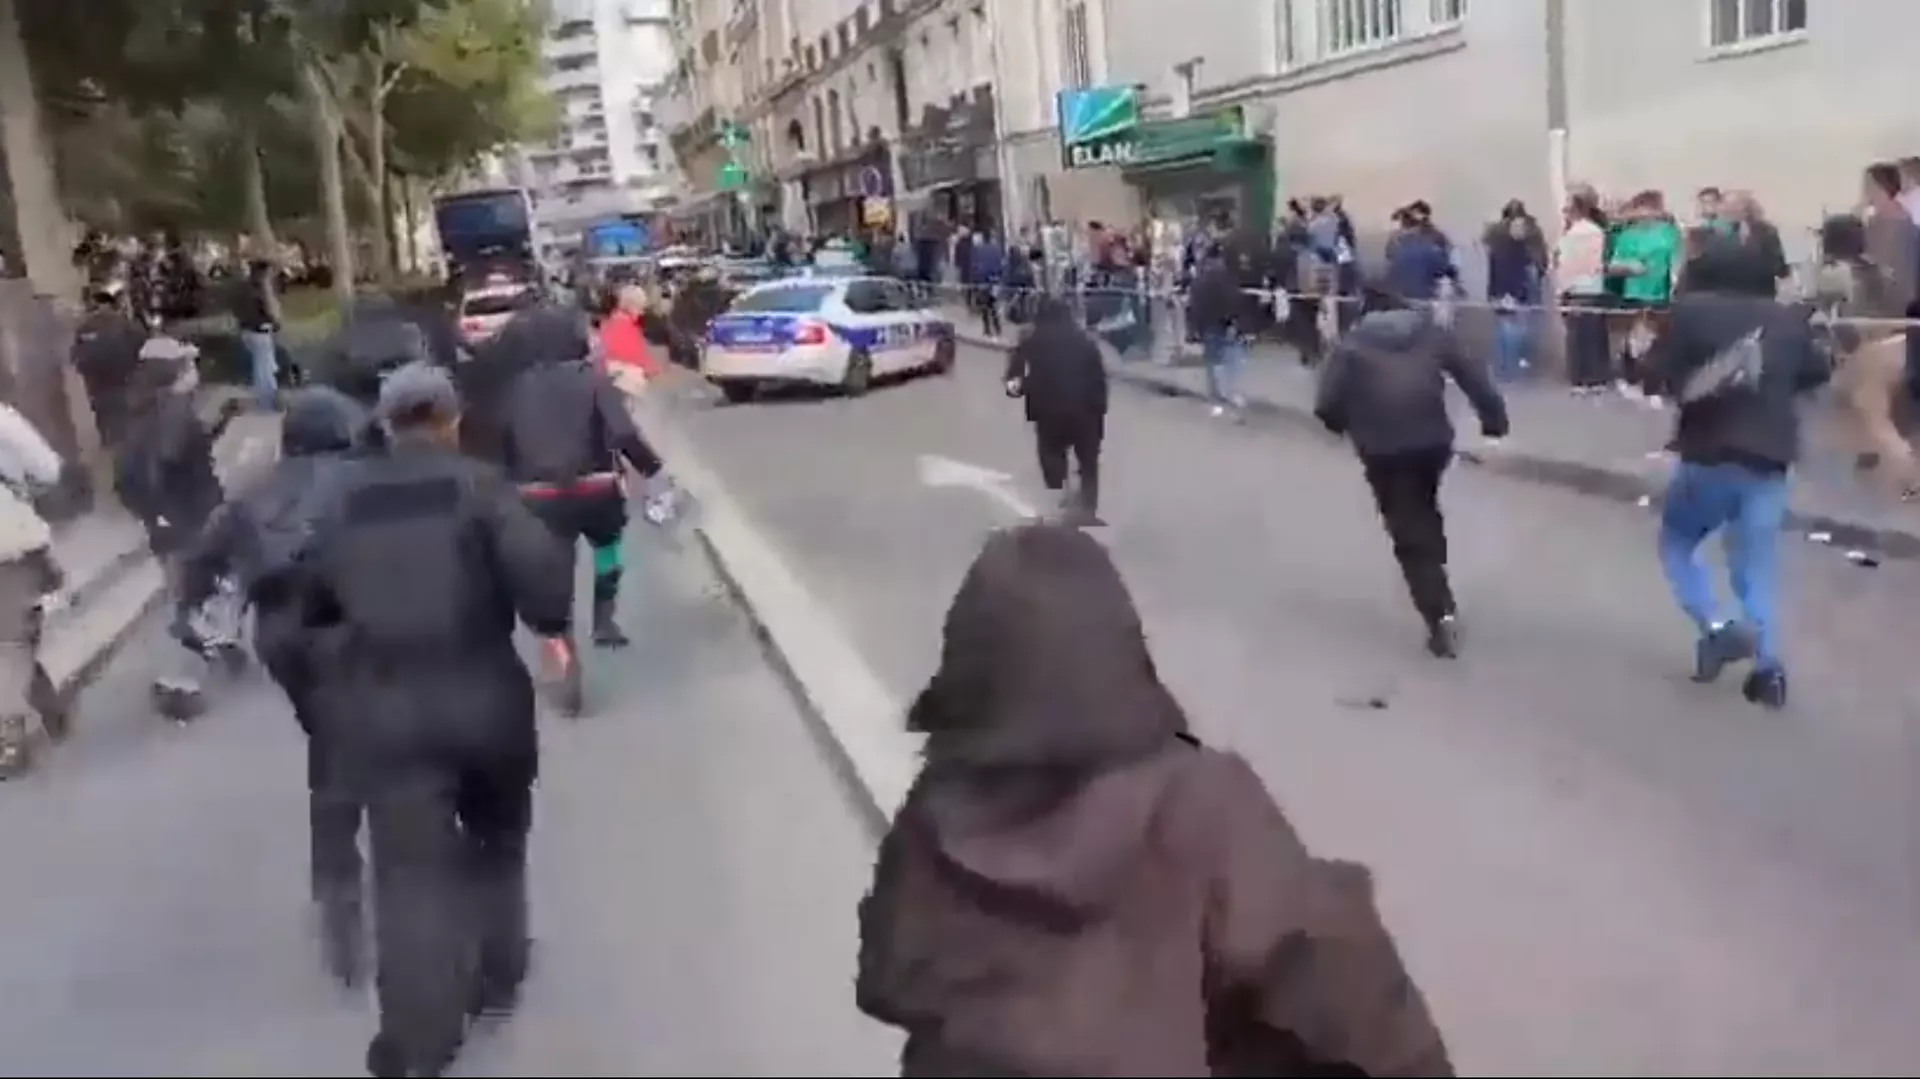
column 1074, row 887
column 564, row 419
column 1058, row 369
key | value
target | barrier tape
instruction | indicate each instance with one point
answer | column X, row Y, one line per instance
column 1282, row 297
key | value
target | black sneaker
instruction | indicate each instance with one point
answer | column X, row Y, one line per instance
column 1725, row 644
column 1767, row 688
column 1443, row 637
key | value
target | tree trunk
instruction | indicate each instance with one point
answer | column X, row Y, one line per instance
column 377, row 183
column 253, row 184
column 410, row 216
column 324, row 120
column 40, row 221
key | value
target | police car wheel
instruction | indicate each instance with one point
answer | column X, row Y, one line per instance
column 858, row 378
column 943, row 357
column 738, row 393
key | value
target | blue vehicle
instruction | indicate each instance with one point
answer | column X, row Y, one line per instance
column 825, row 331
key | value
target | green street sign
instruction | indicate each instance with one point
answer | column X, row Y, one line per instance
column 732, row 135
column 732, row 176
column 1158, row 141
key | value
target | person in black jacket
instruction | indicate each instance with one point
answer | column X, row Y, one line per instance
column 565, row 435
column 421, row 564
column 1216, row 314
column 106, row 352
column 1736, row 363
column 260, row 537
column 1384, row 387
column 1059, row 371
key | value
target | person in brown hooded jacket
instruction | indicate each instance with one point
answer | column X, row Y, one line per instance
column 1074, row 886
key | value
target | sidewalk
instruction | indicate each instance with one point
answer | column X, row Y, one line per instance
column 1605, row 445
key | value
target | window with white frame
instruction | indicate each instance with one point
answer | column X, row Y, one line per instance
column 1354, row 25
column 1077, row 44
column 1737, row 22
column 1309, row 31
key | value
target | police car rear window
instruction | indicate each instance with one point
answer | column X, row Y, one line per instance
column 498, row 304
column 791, row 300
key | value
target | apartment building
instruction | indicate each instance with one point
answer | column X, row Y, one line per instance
column 1465, row 103
column 606, row 62
column 844, row 114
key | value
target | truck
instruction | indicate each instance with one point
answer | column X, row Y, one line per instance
column 486, row 234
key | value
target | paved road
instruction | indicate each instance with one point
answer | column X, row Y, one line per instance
column 696, row 867
column 1596, row 867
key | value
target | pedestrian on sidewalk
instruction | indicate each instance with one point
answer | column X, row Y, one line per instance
column 1645, row 259
column 1384, row 388
column 106, row 352
column 1215, row 312
column 262, row 538
column 166, row 478
column 1059, row 372
column 1076, row 886
column 1516, row 265
column 28, row 573
column 1736, row 362
column 989, row 258
column 257, row 309
column 1580, row 279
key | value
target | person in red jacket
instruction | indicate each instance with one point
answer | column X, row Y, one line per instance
column 623, row 342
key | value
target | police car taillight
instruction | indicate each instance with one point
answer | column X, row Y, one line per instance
column 809, row 333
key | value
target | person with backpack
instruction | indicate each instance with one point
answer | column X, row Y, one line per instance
column 1074, row 885
column 28, row 573
column 423, row 563
column 261, row 537
column 1736, row 363
column 565, row 436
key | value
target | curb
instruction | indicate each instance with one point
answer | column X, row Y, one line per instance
column 858, row 721
column 1614, row 483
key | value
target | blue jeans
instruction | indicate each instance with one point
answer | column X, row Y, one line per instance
column 1748, row 508
column 264, row 364
column 1512, row 344
column 1224, row 357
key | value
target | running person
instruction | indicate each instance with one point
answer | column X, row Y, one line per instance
column 565, row 433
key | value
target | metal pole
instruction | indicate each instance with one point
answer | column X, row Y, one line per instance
column 1012, row 192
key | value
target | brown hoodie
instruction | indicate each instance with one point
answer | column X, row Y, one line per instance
column 1075, row 887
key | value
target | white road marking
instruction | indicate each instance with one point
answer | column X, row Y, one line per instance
column 862, row 715
column 937, row 471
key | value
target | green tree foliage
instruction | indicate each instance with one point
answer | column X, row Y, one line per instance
column 472, row 85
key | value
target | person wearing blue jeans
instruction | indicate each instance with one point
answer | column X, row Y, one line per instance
column 1747, row 506
column 1216, row 310
column 1736, row 362
column 258, row 313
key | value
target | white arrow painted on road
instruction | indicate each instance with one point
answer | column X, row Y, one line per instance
column 938, row 471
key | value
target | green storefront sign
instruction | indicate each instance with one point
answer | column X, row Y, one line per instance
column 1154, row 142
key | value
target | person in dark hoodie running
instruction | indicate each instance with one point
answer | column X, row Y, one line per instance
column 1736, row 362
column 1385, row 389
column 1057, row 368
column 164, row 471
column 423, row 562
column 565, row 435
column 1075, row 886
column 261, row 537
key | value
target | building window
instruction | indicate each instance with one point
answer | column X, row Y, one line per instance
column 1737, row 22
column 835, row 120
column 1448, row 11
column 1354, row 25
column 1077, row 44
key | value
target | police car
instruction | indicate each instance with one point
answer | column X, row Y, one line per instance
column 826, row 331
